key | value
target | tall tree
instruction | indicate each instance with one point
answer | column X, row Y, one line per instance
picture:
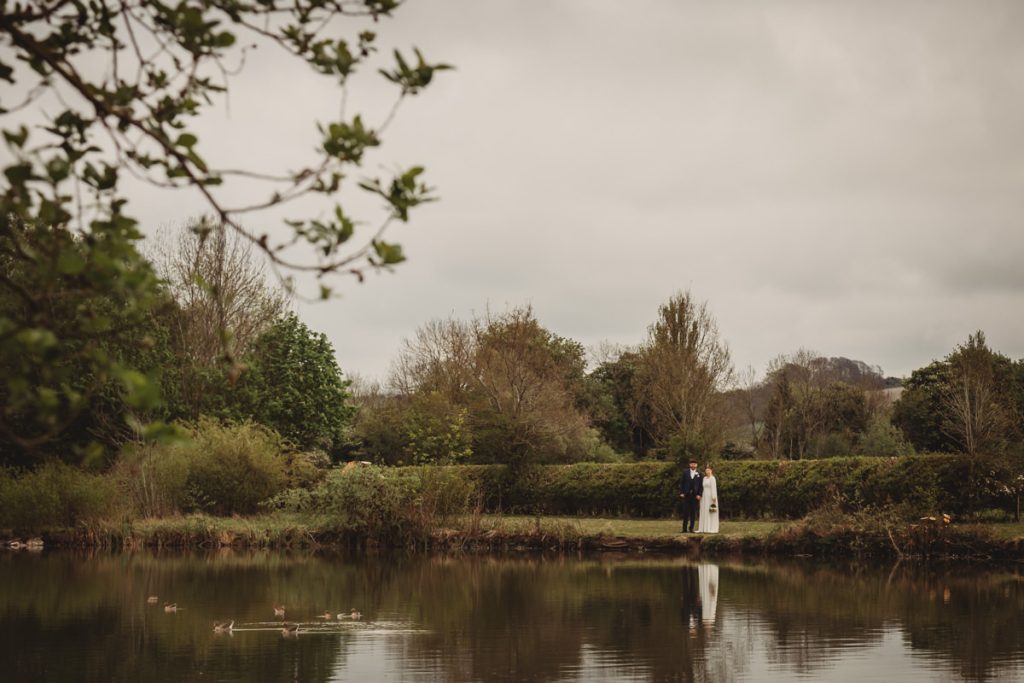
column 292, row 384
column 223, row 294
column 224, row 303
column 520, row 385
column 684, row 366
column 975, row 414
column 972, row 401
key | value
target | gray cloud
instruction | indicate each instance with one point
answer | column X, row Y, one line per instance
column 840, row 176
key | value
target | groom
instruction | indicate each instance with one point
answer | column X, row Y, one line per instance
column 691, row 489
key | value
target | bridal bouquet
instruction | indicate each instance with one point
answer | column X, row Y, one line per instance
column 714, row 507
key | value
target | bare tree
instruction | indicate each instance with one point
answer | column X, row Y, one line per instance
column 439, row 357
column 222, row 290
column 224, row 303
column 684, row 368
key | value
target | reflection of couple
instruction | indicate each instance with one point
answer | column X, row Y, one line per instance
column 699, row 492
column 700, row 602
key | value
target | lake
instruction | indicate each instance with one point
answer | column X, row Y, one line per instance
column 68, row 616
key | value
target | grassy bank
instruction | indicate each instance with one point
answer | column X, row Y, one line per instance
column 474, row 533
column 867, row 506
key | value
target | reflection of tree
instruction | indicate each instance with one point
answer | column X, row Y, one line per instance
column 815, row 612
column 70, row 619
column 487, row 618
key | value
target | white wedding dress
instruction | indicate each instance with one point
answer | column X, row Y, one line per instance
column 707, row 577
column 708, row 522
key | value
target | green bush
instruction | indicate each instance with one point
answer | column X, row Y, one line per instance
column 748, row 489
column 220, row 469
column 388, row 504
column 54, row 495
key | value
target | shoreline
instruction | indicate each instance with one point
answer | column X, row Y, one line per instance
column 499, row 534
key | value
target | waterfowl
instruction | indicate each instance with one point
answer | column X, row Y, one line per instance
column 152, row 600
column 223, row 626
column 170, row 607
column 356, row 614
column 278, row 610
column 289, row 629
column 326, row 615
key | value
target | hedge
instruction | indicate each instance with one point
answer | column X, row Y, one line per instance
column 750, row 489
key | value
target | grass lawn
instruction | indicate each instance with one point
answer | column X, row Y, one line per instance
column 1003, row 530
column 659, row 528
column 639, row 528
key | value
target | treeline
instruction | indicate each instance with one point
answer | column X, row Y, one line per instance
column 501, row 388
column 95, row 369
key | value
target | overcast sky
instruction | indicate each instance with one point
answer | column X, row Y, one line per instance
column 846, row 177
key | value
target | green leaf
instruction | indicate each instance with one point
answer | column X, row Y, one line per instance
column 70, row 262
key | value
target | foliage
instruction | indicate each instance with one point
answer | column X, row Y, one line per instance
column 436, row 432
column 812, row 410
column 293, row 385
column 78, row 352
column 223, row 306
column 918, row 412
column 882, row 438
column 975, row 405
column 111, row 89
column 682, row 370
column 377, row 432
column 520, row 385
column 54, row 495
column 127, row 81
column 972, row 400
column 221, row 469
column 611, row 401
column 386, row 504
column 747, row 489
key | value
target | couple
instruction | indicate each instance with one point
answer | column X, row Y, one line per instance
column 703, row 492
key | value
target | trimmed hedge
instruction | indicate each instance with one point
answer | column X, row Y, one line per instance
column 751, row 489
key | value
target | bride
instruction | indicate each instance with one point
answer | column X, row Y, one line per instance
column 708, row 517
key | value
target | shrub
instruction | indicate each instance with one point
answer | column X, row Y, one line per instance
column 54, row 495
column 221, row 469
column 883, row 438
column 751, row 489
column 387, row 504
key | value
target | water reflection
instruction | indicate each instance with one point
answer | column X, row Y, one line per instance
column 86, row 618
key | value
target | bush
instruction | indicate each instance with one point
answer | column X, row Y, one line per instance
column 54, row 495
column 387, row 504
column 220, row 469
column 750, row 489
column 883, row 438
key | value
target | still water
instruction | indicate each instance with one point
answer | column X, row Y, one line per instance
column 75, row 617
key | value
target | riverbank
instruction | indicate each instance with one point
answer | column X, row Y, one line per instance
column 489, row 533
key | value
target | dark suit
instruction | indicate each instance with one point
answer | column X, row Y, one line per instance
column 691, row 487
